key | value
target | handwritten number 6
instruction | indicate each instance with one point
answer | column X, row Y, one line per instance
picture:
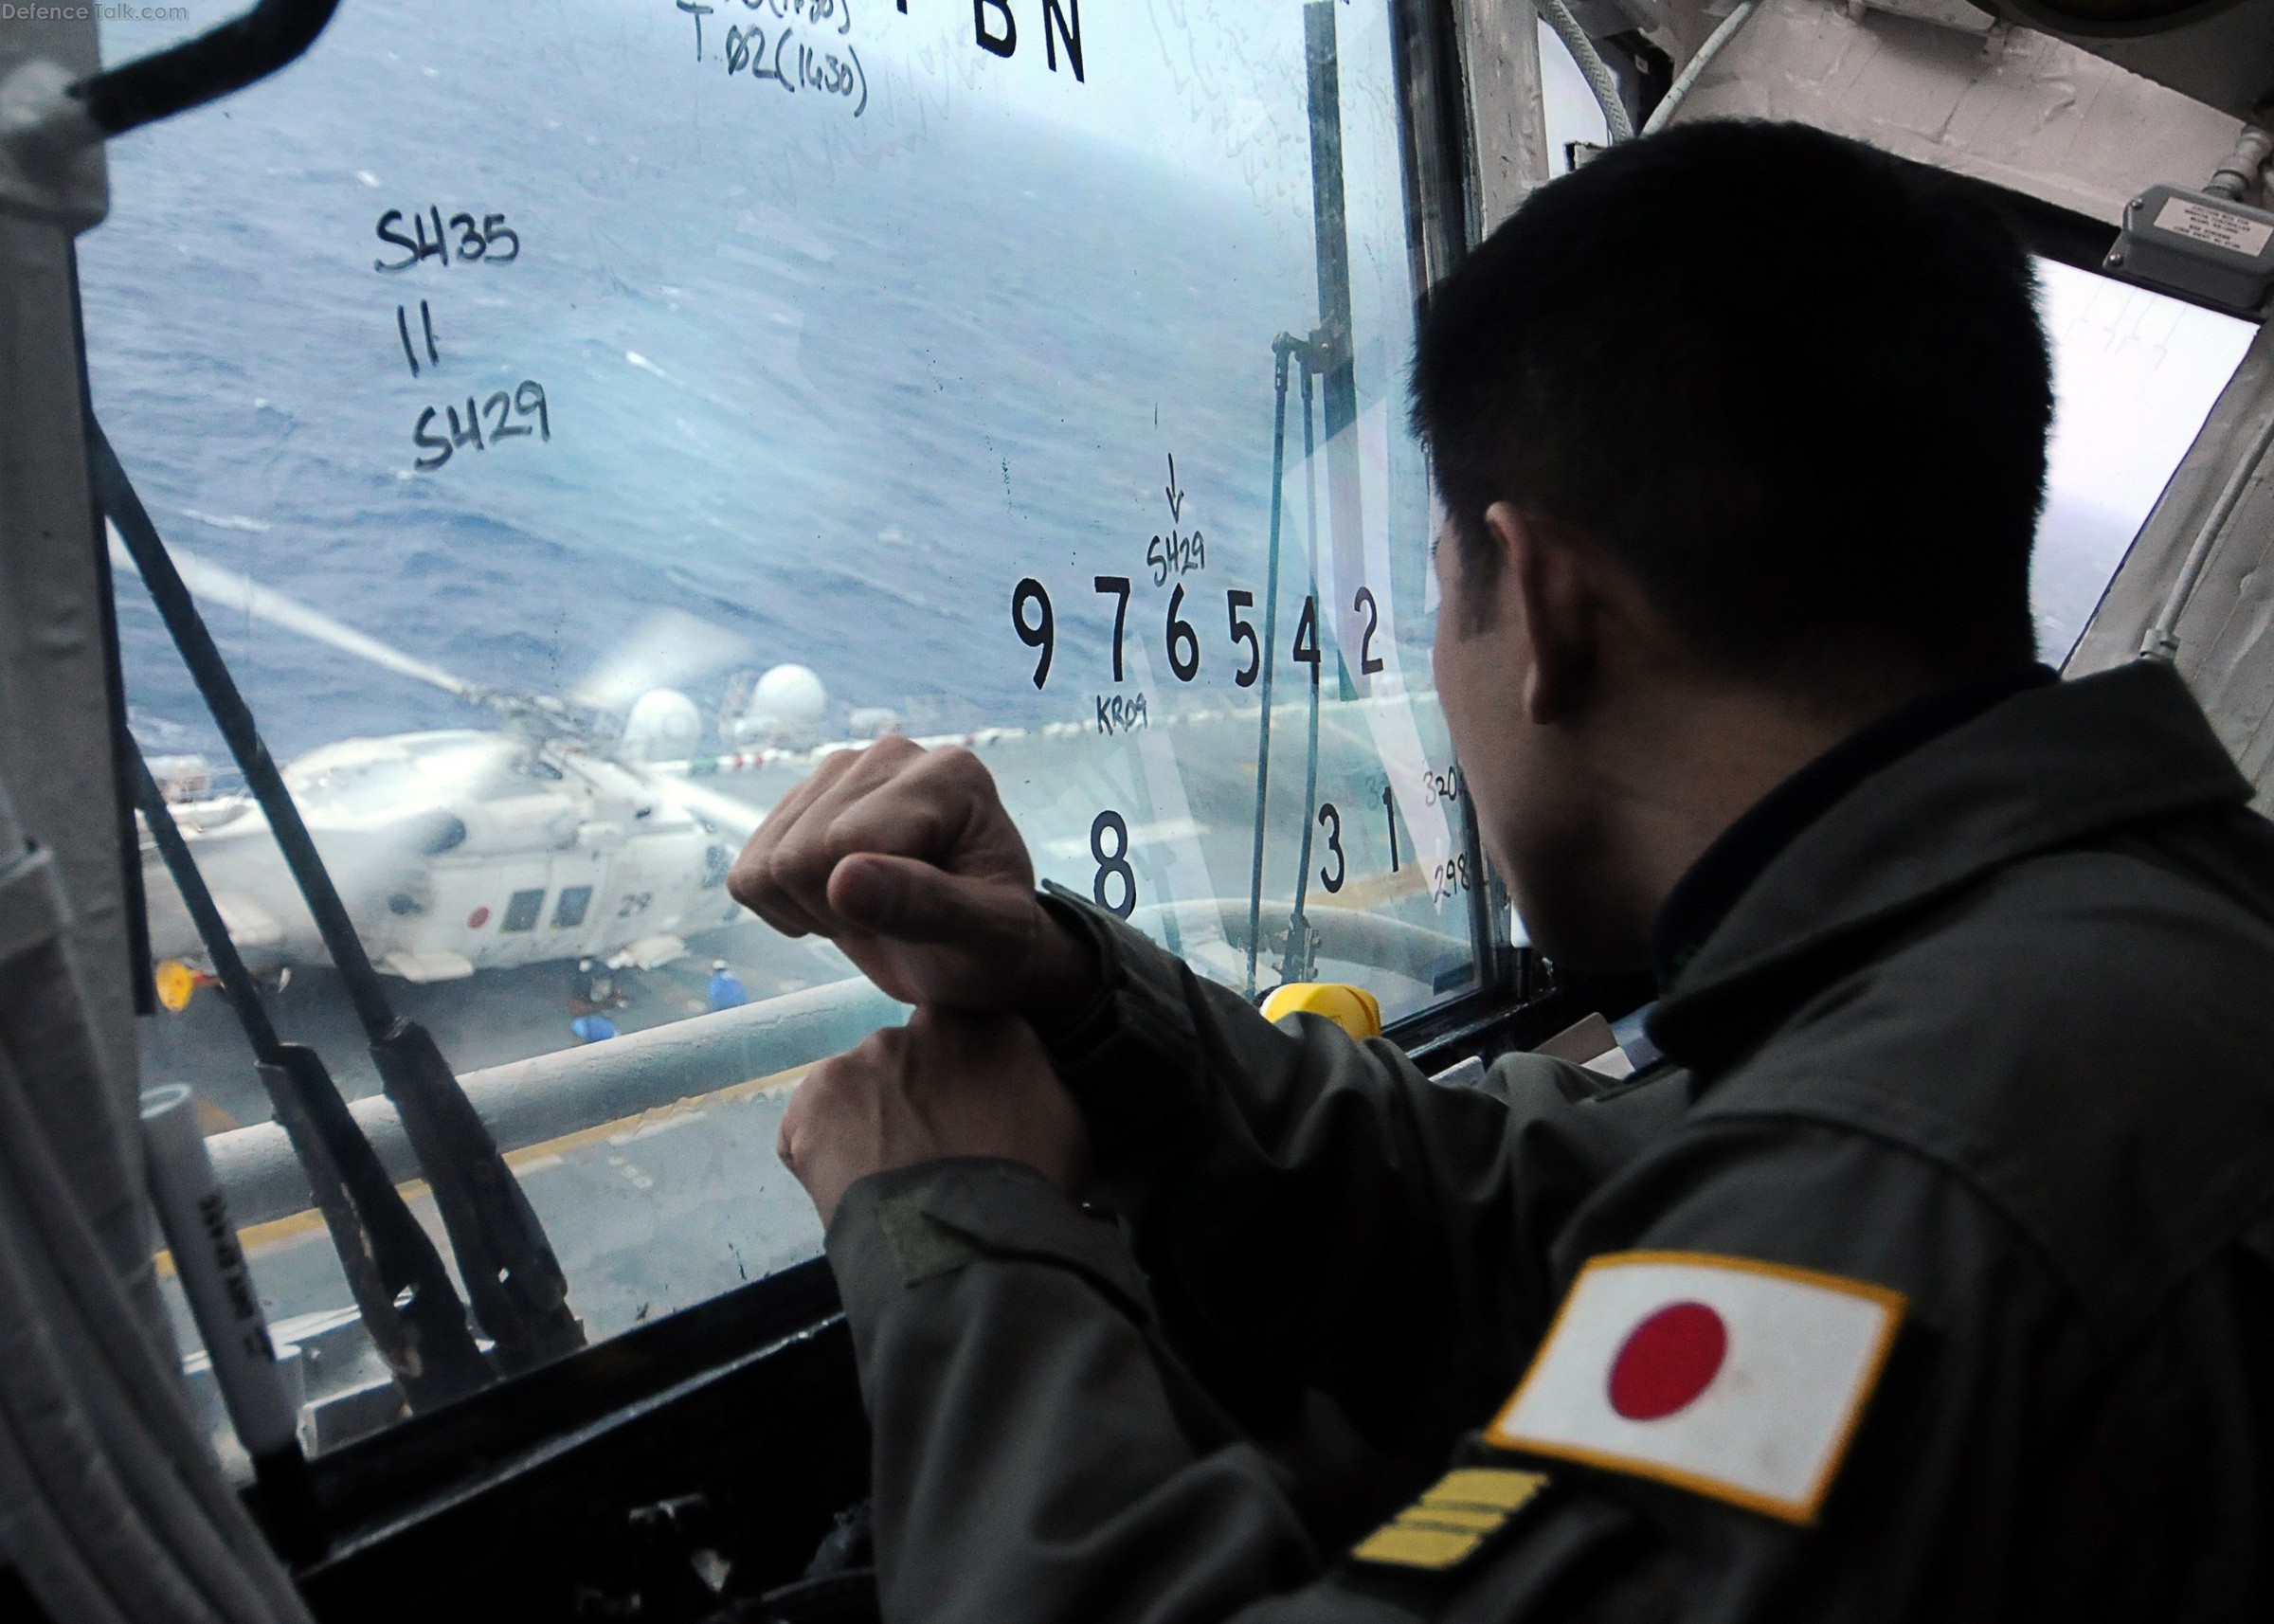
column 1043, row 634
column 1181, row 635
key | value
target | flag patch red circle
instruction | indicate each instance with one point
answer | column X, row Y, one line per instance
column 1668, row 1361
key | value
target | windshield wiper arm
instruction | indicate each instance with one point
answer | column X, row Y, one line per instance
column 395, row 1275
column 512, row 1278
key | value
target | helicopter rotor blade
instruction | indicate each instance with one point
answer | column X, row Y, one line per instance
column 227, row 589
column 737, row 819
column 667, row 648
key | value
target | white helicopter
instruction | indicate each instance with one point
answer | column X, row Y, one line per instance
column 554, row 837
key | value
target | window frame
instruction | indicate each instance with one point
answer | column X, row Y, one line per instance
column 410, row 1483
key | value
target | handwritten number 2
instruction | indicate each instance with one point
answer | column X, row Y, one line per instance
column 1368, row 662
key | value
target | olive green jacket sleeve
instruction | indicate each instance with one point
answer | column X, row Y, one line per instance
column 1040, row 1457
column 1318, row 1210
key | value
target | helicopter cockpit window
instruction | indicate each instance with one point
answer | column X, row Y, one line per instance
column 779, row 375
column 2135, row 374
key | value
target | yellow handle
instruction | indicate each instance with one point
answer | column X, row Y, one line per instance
column 1352, row 1008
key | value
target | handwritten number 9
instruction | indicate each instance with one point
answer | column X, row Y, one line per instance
column 1113, row 864
column 1043, row 634
column 1181, row 635
column 1331, row 820
column 530, row 398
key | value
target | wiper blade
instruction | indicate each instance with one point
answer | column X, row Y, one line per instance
column 410, row 1308
column 518, row 1292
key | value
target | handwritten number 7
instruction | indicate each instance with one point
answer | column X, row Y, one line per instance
column 1118, row 585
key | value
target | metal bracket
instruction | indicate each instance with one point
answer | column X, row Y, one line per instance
column 51, row 147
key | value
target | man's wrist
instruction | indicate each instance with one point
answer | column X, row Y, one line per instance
column 1064, row 974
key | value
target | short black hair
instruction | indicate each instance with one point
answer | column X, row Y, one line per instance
column 1797, row 386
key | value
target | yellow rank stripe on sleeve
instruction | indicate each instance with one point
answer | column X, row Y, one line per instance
column 1458, row 1514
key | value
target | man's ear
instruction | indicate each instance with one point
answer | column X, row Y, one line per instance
column 1543, row 577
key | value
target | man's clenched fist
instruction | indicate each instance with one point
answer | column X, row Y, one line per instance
column 907, row 860
column 944, row 1084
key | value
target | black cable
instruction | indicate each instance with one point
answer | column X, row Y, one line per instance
column 205, row 69
column 511, row 1273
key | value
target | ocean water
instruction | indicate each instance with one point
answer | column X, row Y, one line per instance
column 831, row 383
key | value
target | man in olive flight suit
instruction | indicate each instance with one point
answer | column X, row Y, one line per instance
column 1933, row 1275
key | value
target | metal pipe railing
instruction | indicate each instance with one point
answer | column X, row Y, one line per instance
column 529, row 1102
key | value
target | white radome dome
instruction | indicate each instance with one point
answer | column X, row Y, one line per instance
column 664, row 726
column 789, row 702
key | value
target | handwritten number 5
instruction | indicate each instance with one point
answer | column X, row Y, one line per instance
column 1242, row 631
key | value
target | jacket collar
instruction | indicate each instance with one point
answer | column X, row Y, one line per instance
column 1720, row 878
column 2048, row 767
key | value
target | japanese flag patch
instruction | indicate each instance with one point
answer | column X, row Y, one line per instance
column 1735, row 1378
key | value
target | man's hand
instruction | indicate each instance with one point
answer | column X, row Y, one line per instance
column 906, row 859
column 944, row 1084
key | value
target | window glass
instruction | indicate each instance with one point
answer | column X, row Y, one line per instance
column 1572, row 116
column 2135, row 374
column 579, row 422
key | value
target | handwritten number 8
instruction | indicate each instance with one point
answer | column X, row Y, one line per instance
column 1043, row 634
column 1113, row 865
